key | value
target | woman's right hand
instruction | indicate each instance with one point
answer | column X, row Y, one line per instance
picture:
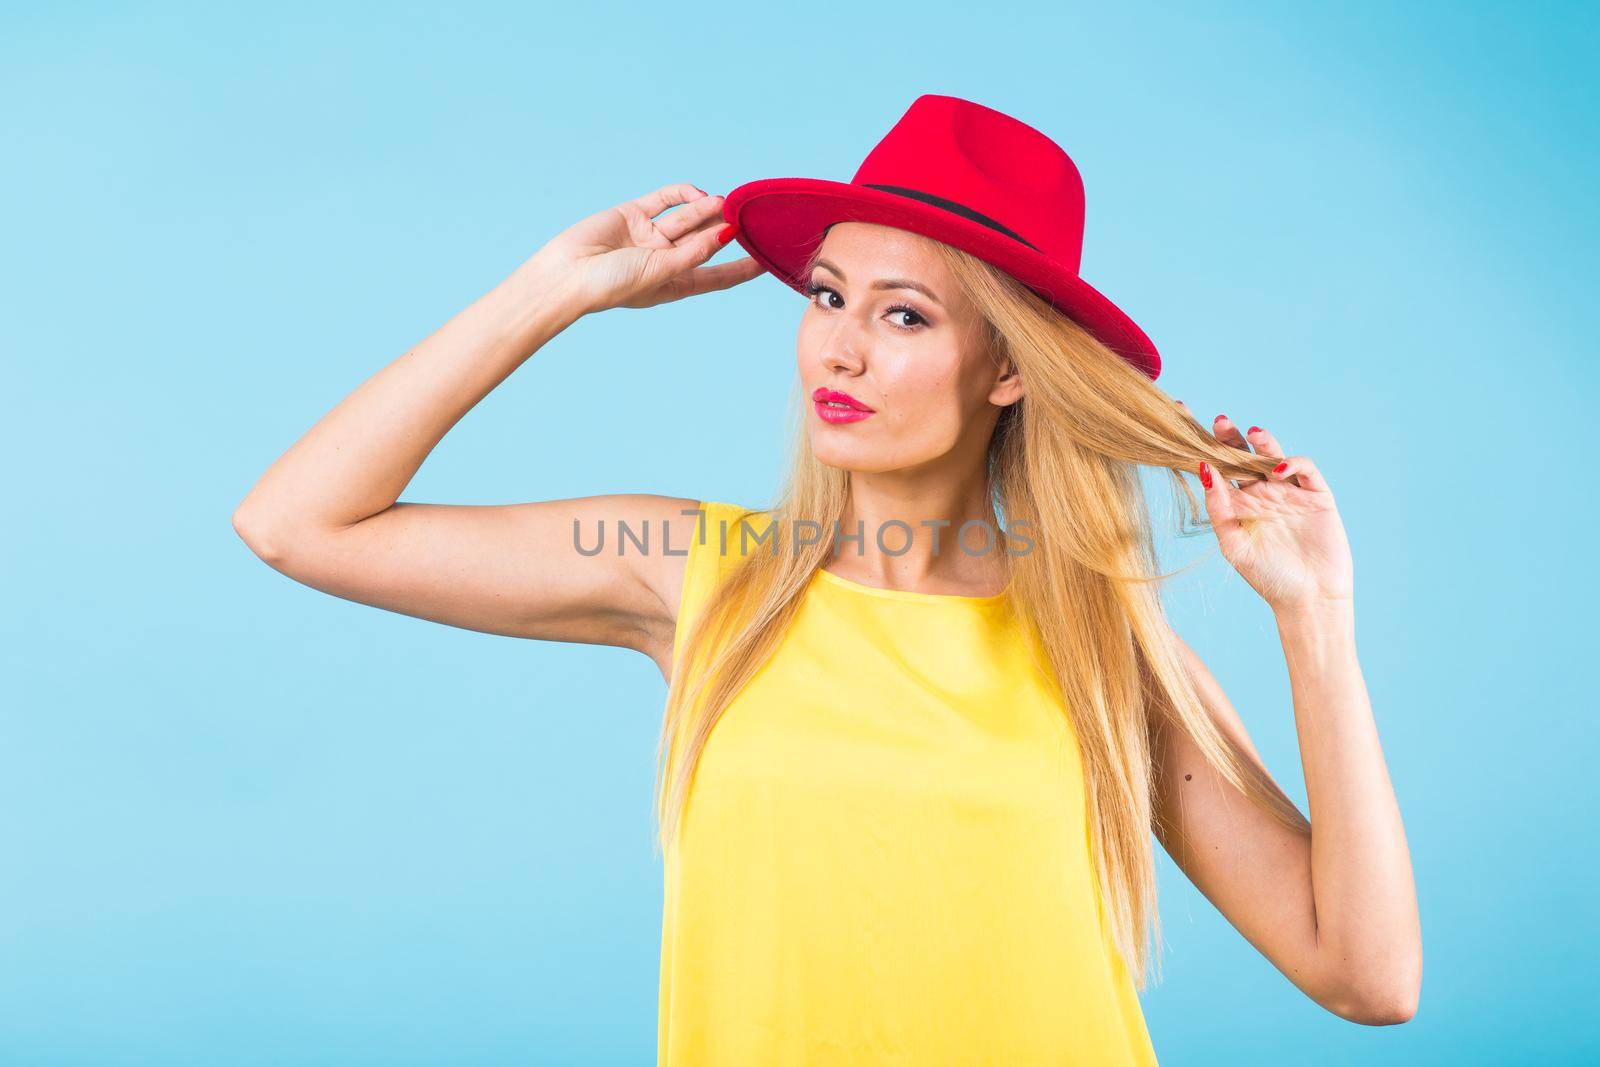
column 627, row 257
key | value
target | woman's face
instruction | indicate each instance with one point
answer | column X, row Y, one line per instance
column 914, row 356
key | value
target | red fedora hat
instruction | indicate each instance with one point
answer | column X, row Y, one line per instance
column 960, row 173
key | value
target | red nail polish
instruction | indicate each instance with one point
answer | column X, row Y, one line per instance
column 1255, row 429
column 727, row 234
column 1205, row 474
column 1280, row 468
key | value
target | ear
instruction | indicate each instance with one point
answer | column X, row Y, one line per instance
column 1007, row 388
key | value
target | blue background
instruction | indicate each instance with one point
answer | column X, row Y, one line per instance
column 245, row 822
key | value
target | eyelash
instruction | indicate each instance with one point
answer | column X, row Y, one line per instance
column 817, row 287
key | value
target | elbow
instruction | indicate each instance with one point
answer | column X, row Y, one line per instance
column 257, row 533
column 1388, row 1008
column 1381, row 999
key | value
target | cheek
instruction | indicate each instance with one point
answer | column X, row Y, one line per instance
column 925, row 411
column 808, row 342
column 928, row 388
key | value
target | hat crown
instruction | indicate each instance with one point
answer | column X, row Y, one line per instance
column 989, row 163
column 964, row 175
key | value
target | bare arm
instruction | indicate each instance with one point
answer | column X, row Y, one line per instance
column 1334, row 910
column 327, row 512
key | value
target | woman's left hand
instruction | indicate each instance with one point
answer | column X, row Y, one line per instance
column 1284, row 535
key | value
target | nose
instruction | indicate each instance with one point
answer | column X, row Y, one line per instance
column 842, row 350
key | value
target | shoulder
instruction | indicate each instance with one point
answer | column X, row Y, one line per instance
column 701, row 540
column 731, row 531
column 713, row 537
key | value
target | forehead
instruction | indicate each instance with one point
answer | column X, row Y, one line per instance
column 875, row 251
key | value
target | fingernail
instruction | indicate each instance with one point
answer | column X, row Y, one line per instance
column 1280, row 468
column 1255, row 429
column 1205, row 474
column 727, row 233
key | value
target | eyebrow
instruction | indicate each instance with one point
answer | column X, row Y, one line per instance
column 888, row 283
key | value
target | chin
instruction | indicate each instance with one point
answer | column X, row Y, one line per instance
column 888, row 448
column 839, row 459
column 845, row 457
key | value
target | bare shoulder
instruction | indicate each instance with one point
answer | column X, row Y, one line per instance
column 678, row 523
column 663, row 527
column 656, row 532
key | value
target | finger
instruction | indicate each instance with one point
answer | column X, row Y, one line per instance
column 1302, row 472
column 724, row 275
column 1228, row 433
column 696, row 247
column 1265, row 443
column 689, row 218
column 654, row 203
column 1185, row 409
column 1219, row 501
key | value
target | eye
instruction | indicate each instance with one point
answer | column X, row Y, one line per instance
column 815, row 289
column 901, row 309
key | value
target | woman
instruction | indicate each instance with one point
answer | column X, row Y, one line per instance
column 921, row 830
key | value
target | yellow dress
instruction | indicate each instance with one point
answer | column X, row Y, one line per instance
column 885, row 857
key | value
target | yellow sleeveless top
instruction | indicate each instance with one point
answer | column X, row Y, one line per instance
column 885, row 855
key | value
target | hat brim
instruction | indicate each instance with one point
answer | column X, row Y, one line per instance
column 780, row 221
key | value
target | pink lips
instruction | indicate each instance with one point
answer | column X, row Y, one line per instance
column 836, row 407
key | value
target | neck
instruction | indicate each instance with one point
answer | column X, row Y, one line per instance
column 918, row 520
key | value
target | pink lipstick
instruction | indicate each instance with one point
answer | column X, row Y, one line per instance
column 836, row 407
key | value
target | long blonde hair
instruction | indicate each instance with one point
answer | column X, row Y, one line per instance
column 1064, row 458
